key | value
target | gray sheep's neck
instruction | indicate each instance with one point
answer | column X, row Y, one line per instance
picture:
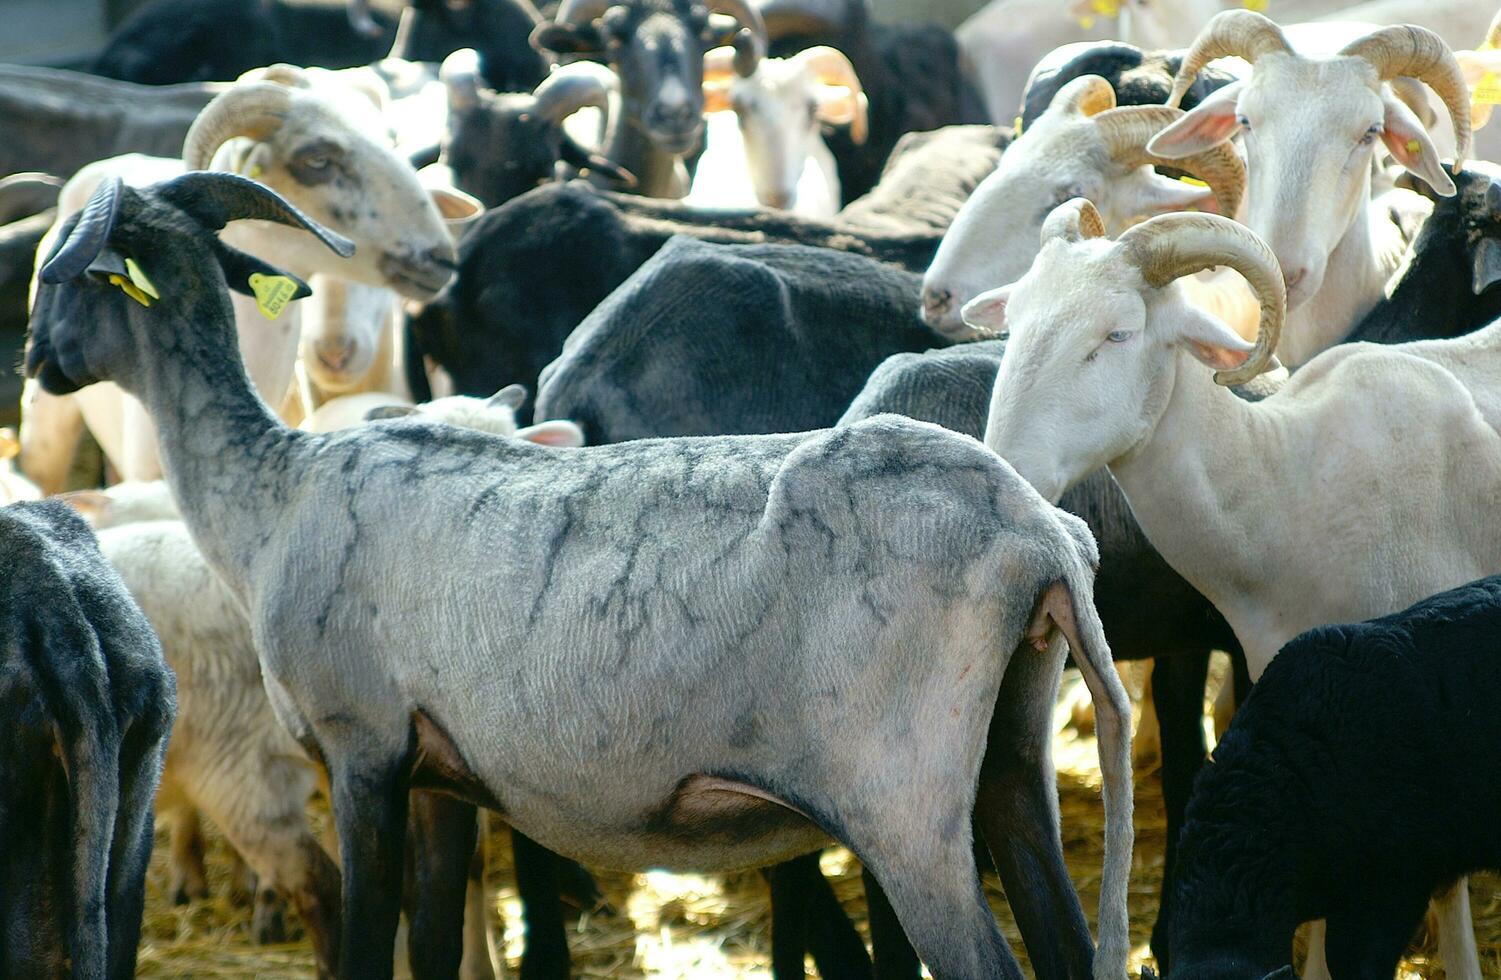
column 225, row 455
column 658, row 173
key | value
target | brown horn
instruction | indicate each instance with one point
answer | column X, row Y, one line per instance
column 1173, row 245
column 1410, row 92
column 806, row 18
column 1127, row 131
column 1073, row 220
column 1087, row 95
column 581, row 11
column 750, row 43
column 572, row 87
column 830, row 67
column 1419, row 53
column 254, row 109
column 1230, row 33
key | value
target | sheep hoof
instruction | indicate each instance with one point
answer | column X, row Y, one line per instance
column 268, row 923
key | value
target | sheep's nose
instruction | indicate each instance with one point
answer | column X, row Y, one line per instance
column 779, row 199
column 335, row 353
column 936, row 304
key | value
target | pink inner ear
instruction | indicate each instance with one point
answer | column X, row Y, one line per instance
column 987, row 311
column 1209, row 124
column 1219, row 358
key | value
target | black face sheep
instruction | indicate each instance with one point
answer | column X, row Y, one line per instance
column 709, row 339
column 1358, row 780
column 818, row 556
column 88, row 705
column 532, row 269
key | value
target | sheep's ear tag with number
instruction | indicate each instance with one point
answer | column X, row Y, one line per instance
column 1487, row 91
column 1259, row 6
column 272, row 293
column 1084, row 12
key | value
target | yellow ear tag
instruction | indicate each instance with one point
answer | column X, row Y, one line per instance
column 139, row 279
column 272, row 293
column 1016, row 127
column 1193, row 180
column 1257, row 5
column 131, row 290
column 1106, row 8
column 1414, row 147
column 1488, row 90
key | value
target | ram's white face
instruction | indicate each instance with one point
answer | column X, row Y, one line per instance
column 776, row 109
column 1310, row 127
column 994, row 237
column 345, row 325
column 1089, row 362
column 324, row 160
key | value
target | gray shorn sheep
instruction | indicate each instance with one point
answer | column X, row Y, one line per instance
column 701, row 653
column 88, row 704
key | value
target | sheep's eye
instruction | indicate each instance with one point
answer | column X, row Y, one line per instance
column 1118, row 336
column 1370, row 135
column 1242, row 121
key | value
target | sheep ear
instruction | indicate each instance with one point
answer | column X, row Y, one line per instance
column 559, row 433
column 1487, row 265
column 511, row 396
column 1207, row 125
column 987, row 311
column 1212, row 341
column 567, row 38
column 239, row 266
column 390, row 412
column 456, row 207
column 1411, row 146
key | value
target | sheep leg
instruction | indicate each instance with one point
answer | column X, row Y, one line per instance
column 1368, row 941
column 893, row 956
column 1016, row 810
column 370, row 804
column 480, row 956
column 1456, row 934
column 187, row 881
column 546, row 951
column 805, row 915
column 51, row 426
column 926, row 866
column 441, row 834
column 141, row 746
column 1178, row 691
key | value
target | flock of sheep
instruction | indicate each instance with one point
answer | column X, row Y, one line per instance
column 702, row 432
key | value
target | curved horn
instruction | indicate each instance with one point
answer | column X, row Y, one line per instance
column 804, row 18
column 460, row 75
column 1493, row 33
column 1087, row 95
column 1073, row 220
column 216, row 199
column 581, row 11
column 1411, row 93
column 1419, row 53
column 718, row 64
column 1127, row 131
column 1173, row 245
column 89, row 236
column 360, row 20
column 25, row 194
column 750, row 43
column 572, row 87
column 256, row 110
column 1230, row 33
column 829, row 66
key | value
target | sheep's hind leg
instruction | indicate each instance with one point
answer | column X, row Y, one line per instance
column 1366, row 942
column 441, row 837
column 370, row 804
column 187, row 880
column 806, row 916
column 546, row 954
column 1456, row 933
column 893, row 957
column 920, row 850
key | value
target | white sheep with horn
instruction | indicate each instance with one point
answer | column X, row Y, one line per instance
column 1311, row 124
column 1106, row 367
column 763, row 139
column 309, row 136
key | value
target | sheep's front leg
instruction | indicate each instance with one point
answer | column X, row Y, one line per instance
column 806, row 916
column 893, row 956
column 370, row 808
column 1016, row 810
column 1456, row 933
column 442, row 836
column 546, row 954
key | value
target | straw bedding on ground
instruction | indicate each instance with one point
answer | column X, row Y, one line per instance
column 662, row 925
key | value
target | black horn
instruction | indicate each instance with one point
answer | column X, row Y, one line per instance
column 90, row 234
column 216, row 199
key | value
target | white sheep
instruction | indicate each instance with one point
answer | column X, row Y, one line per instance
column 762, row 141
column 1247, row 501
column 309, row 135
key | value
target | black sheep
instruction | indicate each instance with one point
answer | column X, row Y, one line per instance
column 1138, row 77
column 532, row 269
column 927, row 179
column 1446, row 286
column 709, row 339
column 88, row 703
column 1359, row 778
column 166, row 41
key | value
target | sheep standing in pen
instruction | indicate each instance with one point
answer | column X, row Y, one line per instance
column 88, row 705
column 1359, row 778
column 762, row 133
column 1101, row 334
column 310, row 136
column 843, row 611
